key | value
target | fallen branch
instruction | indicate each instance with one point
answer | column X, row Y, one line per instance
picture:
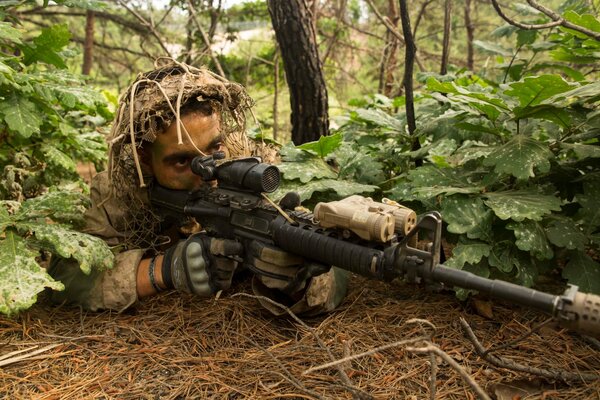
column 364, row 354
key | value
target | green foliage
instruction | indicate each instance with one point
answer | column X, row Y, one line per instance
column 43, row 223
column 248, row 11
column 49, row 120
column 22, row 277
column 501, row 184
column 314, row 171
column 512, row 164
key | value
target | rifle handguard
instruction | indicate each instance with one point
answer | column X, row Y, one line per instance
column 583, row 314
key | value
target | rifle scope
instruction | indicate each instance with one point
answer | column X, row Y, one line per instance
column 245, row 174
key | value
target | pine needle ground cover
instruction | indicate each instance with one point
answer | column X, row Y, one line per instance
column 176, row 347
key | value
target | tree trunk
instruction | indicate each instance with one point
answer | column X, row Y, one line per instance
column 276, row 95
column 470, row 34
column 409, row 59
column 389, row 60
column 189, row 36
column 88, row 45
column 447, row 32
column 308, row 93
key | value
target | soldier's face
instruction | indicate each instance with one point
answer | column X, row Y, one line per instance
column 170, row 162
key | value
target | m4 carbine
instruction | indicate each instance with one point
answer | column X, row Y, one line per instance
column 376, row 240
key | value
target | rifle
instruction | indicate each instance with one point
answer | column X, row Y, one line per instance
column 357, row 234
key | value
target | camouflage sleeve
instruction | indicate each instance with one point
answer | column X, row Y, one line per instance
column 113, row 289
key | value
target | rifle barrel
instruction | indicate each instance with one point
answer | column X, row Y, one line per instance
column 496, row 288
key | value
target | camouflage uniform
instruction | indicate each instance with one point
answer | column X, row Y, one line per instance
column 114, row 200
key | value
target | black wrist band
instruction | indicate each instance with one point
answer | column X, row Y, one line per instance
column 151, row 274
column 166, row 269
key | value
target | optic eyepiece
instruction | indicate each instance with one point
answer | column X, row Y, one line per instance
column 246, row 173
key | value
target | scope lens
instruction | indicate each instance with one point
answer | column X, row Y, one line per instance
column 270, row 179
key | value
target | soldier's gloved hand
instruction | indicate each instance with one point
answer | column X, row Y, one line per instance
column 201, row 264
column 278, row 269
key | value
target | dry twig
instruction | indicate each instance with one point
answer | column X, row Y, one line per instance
column 557, row 20
column 205, row 39
column 502, row 362
column 433, row 349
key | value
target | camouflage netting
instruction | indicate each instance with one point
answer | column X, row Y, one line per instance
column 150, row 105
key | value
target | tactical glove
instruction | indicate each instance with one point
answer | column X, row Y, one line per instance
column 281, row 270
column 201, row 264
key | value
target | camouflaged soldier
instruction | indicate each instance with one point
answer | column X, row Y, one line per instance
column 165, row 118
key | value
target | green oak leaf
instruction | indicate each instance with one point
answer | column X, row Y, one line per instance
column 582, row 150
column 21, row 115
column 504, row 256
column 306, row 190
column 583, row 271
column 306, row 171
column 358, row 165
column 527, row 274
column 381, row 119
column 66, row 207
column 471, row 151
column 588, row 21
column 21, row 277
column 46, row 46
column 573, row 55
column 585, row 93
column 535, row 89
column 468, row 253
column 289, row 152
column 565, row 233
column 402, row 191
column 491, row 48
column 531, row 237
column 54, row 38
column 519, row 156
column 70, row 91
column 589, row 213
column 323, row 146
column 7, row 209
column 521, row 204
column 559, row 115
column 526, row 37
column 57, row 158
column 429, row 181
column 483, row 102
column 466, row 215
column 89, row 251
column 7, row 32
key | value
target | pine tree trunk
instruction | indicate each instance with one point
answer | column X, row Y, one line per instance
column 389, row 59
column 470, row 34
column 88, row 45
column 308, row 94
column 447, row 33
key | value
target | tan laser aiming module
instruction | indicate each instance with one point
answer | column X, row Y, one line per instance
column 368, row 219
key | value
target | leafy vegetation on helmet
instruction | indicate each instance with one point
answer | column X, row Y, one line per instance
column 49, row 120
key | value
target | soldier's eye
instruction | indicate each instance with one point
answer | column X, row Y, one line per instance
column 182, row 162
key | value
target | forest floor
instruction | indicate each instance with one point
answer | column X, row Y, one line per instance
column 178, row 347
